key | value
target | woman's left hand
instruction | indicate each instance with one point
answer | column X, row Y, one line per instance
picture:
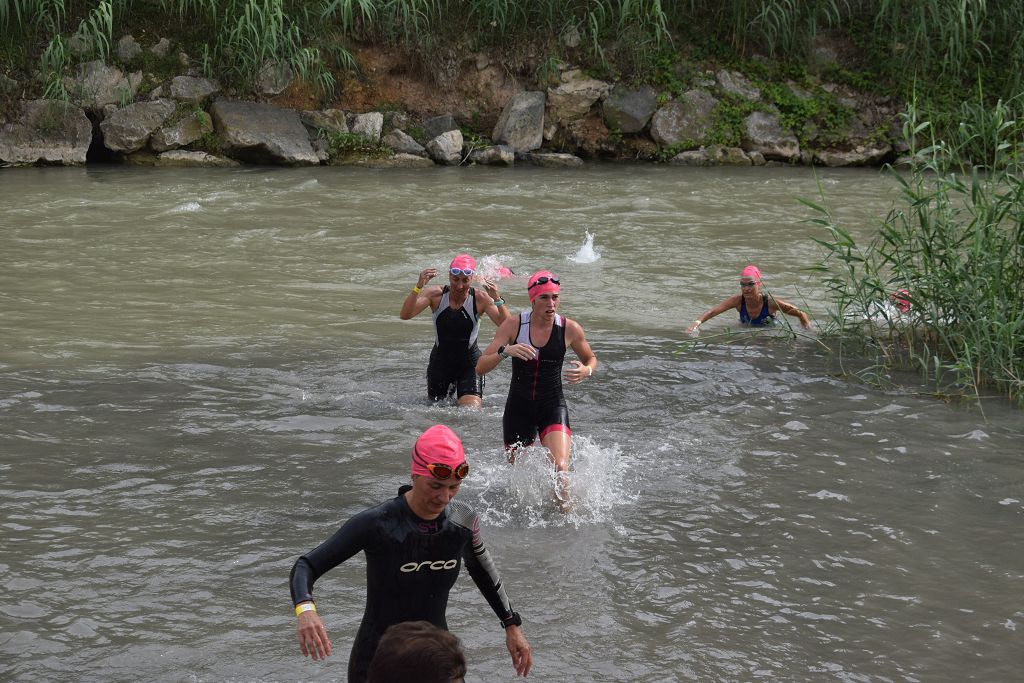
column 577, row 373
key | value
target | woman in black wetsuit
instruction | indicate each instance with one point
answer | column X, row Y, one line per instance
column 536, row 341
column 415, row 545
column 755, row 307
column 457, row 309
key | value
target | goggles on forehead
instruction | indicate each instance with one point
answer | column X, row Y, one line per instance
column 543, row 280
column 468, row 272
column 442, row 471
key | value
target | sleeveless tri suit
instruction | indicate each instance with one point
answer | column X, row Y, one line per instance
column 762, row 319
column 411, row 565
column 453, row 359
column 535, row 403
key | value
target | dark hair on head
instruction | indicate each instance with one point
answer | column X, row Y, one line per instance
column 417, row 651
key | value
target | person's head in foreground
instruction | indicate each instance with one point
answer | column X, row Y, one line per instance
column 750, row 282
column 438, row 468
column 417, row 652
column 460, row 272
column 543, row 289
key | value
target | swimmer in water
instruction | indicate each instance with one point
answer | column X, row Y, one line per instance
column 755, row 307
column 536, row 341
column 415, row 545
column 457, row 308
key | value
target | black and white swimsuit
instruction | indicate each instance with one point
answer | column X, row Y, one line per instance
column 535, row 403
column 453, row 359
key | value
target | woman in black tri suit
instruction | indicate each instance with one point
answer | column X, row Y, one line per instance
column 536, row 340
column 415, row 545
column 456, row 309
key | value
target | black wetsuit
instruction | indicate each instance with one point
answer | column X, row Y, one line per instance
column 455, row 353
column 535, row 402
column 763, row 318
column 411, row 565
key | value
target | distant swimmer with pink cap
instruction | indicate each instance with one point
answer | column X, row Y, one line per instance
column 755, row 307
column 536, row 340
column 415, row 545
column 457, row 308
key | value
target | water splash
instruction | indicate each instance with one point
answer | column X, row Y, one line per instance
column 523, row 494
column 187, row 207
column 586, row 253
column 492, row 268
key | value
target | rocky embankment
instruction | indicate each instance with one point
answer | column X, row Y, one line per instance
column 187, row 120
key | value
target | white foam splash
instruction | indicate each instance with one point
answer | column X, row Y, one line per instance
column 586, row 253
column 523, row 494
column 187, row 207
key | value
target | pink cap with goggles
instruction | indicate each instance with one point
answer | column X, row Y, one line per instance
column 462, row 264
column 439, row 453
column 753, row 272
column 542, row 282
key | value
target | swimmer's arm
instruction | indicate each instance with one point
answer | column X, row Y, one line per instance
column 790, row 309
column 732, row 302
column 577, row 340
column 352, row 537
column 506, row 333
column 420, row 296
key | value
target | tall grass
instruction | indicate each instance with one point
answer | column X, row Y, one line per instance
column 955, row 242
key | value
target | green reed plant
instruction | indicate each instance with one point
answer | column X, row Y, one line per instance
column 955, row 242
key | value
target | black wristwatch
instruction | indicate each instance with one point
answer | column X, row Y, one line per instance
column 514, row 620
column 501, row 352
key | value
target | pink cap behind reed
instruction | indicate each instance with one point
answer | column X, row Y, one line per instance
column 439, row 444
column 463, row 261
column 753, row 272
column 549, row 286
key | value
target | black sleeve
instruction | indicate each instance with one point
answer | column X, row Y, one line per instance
column 346, row 542
column 479, row 563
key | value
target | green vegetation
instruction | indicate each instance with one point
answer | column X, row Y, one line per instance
column 345, row 147
column 955, row 243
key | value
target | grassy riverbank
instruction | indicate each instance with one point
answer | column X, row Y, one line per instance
column 936, row 50
column 952, row 247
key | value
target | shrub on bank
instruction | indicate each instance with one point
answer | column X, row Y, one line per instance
column 952, row 253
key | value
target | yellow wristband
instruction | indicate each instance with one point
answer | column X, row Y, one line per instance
column 591, row 370
column 304, row 607
column 417, row 289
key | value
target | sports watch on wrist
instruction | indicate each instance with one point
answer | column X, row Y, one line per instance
column 501, row 352
column 513, row 620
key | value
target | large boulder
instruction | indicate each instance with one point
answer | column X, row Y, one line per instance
column 192, row 89
column 762, row 132
column 262, row 133
column 98, row 85
column 436, row 125
column 627, row 110
column 574, row 96
column 688, row 118
column 403, row 143
column 128, row 129
column 446, row 148
column 495, row 155
column 553, row 160
column 369, row 125
column 183, row 132
column 735, row 83
column 521, row 124
column 46, row 132
column 331, row 120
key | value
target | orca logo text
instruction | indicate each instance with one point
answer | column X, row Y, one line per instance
column 436, row 565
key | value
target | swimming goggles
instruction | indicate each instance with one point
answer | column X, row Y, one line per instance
column 442, row 471
column 468, row 272
column 543, row 280
column 747, row 284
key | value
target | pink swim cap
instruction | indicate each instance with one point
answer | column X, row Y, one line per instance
column 438, row 445
column 901, row 299
column 550, row 284
column 463, row 261
column 752, row 272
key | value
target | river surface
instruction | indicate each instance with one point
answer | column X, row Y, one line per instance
column 202, row 373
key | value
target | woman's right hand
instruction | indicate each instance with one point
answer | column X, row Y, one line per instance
column 426, row 276
column 521, row 351
column 313, row 640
